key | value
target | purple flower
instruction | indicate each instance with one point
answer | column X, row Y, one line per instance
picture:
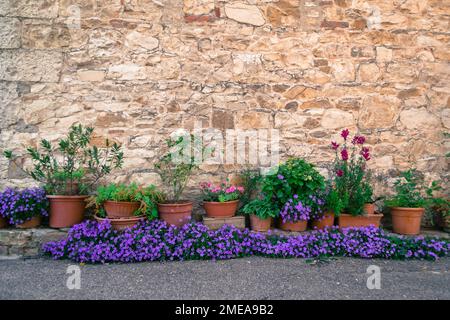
column 19, row 206
column 280, row 177
column 92, row 242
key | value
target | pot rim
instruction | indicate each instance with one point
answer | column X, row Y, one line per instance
column 376, row 214
column 407, row 208
column 218, row 202
column 134, row 218
column 177, row 204
column 66, row 197
column 122, row 202
column 268, row 218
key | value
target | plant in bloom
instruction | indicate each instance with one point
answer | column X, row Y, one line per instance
column 92, row 242
column 294, row 210
column 18, row 206
column 350, row 186
column 223, row 192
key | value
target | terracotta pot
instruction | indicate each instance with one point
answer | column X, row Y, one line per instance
column 119, row 209
column 258, row 224
column 221, row 209
column 347, row 220
column 369, row 208
column 327, row 221
column 406, row 220
column 121, row 223
column 32, row 223
column 66, row 211
column 3, row 223
column 177, row 214
column 298, row 226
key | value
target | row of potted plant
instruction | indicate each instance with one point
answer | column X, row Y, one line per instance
column 294, row 192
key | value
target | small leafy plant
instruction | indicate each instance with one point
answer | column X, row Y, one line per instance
column 294, row 177
column 177, row 164
column 73, row 166
column 411, row 192
column 251, row 182
column 148, row 197
column 221, row 193
column 19, row 206
column 262, row 208
column 350, row 179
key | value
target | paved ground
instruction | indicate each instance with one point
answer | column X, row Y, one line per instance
column 248, row 278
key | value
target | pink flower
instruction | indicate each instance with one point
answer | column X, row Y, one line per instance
column 240, row 189
column 334, row 145
column 344, row 154
column 339, row 173
column 231, row 189
column 358, row 140
column 345, row 133
column 215, row 189
column 365, row 153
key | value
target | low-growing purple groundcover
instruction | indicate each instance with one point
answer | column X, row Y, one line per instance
column 92, row 242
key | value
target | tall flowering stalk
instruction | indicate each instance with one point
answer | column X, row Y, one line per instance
column 19, row 206
column 350, row 176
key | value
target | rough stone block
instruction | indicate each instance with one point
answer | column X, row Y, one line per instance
column 36, row 65
column 9, row 33
column 216, row 223
column 29, row 8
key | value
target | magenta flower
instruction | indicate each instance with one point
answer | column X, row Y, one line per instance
column 344, row 154
column 365, row 153
column 345, row 133
column 334, row 145
column 358, row 140
column 339, row 173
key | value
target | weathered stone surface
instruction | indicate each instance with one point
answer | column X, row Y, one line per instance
column 419, row 119
column 10, row 33
column 21, row 65
column 137, row 71
column 336, row 119
column 29, row 8
column 244, row 13
column 378, row 112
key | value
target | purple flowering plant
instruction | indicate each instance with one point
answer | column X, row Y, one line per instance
column 18, row 206
column 92, row 242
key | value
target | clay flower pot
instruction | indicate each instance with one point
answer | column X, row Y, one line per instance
column 120, row 209
column 121, row 223
column 406, row 220
column 258, row 224
column 369, row 208
column 327, row 221
column 177, row 214
column 3, row 223
column 32, row 223
column 221, row 209
column 347, row 220
column 297, row 226
column 66, row 211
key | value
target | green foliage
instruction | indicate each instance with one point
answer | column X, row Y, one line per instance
column 177, row 164
column 251, row 181
column 334, row 201
column 148, row 197
column 73, row 166
column 409, row 191
column 262, row 208
column 295, row 176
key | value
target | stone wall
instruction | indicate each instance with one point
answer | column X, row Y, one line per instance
column 139, row 69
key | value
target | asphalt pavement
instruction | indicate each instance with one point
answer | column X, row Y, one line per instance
column 247, row 278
